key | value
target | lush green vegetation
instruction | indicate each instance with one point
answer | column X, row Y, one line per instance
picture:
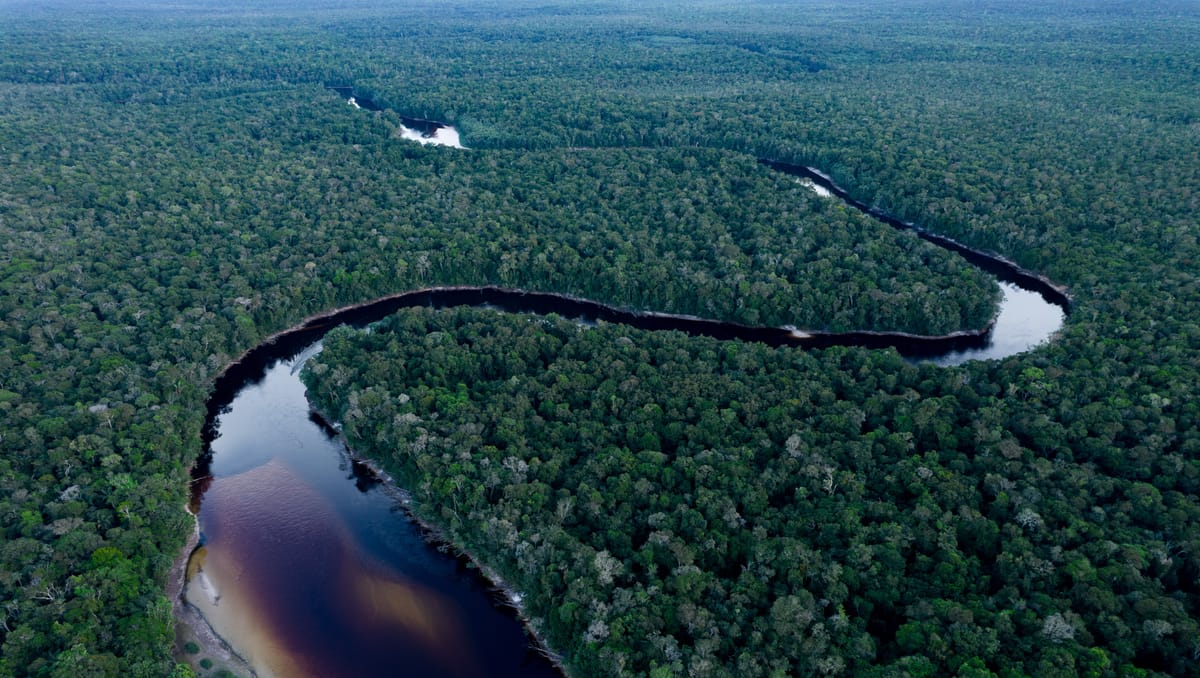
column 177, row 184
column 693, row 506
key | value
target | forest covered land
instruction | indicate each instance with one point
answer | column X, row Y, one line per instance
column 178, row 184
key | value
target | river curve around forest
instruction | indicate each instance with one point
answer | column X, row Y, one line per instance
column 307, row 563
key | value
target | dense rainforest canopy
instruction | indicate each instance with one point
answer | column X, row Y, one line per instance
column 178, row 184
column 688, row 505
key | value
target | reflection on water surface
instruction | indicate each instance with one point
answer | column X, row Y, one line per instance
column 308, row 568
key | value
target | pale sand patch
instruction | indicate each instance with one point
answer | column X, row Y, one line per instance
column 191, row 627
column 223, row 591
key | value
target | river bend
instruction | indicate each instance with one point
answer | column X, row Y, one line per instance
column 307, row 562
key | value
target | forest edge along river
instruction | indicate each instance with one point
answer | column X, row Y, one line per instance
column 300, row 559
column 226, row 479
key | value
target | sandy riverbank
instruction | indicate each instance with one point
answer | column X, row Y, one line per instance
column 195, row 640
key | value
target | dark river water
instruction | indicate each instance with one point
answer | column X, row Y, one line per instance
column 1026, row 319
column 309, row 566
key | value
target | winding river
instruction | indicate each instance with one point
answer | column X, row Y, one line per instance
column 307, row 563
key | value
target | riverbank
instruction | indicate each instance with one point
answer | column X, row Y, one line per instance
column 1000, row 266
column 436, row 537
column 196, row 643
column 317, row 569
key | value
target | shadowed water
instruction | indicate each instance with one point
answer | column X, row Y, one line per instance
column 308, row 568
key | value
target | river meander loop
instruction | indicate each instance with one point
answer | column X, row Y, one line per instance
column 307, row 562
